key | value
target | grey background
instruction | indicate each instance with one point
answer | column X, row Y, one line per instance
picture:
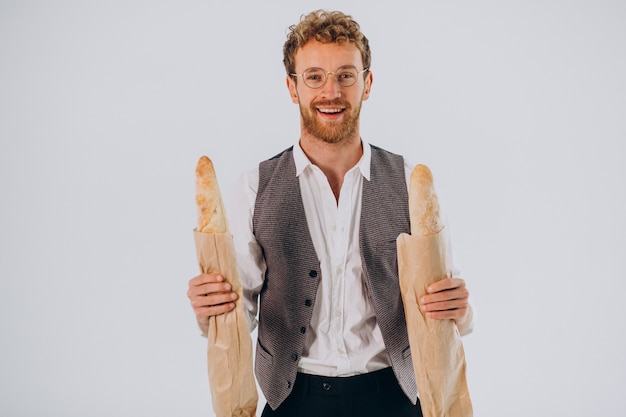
column 517, row 106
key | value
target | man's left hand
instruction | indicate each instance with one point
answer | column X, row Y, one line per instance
column 447, row 299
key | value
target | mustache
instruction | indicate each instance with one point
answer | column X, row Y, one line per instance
column 329, row 103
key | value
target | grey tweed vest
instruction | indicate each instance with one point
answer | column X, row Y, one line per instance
column 293, row 269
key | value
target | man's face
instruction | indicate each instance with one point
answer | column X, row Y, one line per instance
column 331, row 112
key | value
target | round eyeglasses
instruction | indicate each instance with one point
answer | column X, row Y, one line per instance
column 316, row 77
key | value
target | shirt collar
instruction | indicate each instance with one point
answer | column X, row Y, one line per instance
column 302, row 162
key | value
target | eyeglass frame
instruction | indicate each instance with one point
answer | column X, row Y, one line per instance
column 330, row 72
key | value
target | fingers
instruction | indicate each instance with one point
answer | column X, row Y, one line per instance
column 210, row 296
column 446, row 299
column 456, row 314
column 446, row 284
column 204, row 312
column 205, row 284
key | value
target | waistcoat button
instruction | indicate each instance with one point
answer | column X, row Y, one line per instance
column 294, row 357
column 308, row 302
column 313, row 273
column 303, row 330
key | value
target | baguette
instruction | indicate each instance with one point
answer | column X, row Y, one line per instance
column 436, row 348
column 423, row 203
column 211, row 213
column 229, row 346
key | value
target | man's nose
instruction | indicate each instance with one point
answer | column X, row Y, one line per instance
column 331, row 87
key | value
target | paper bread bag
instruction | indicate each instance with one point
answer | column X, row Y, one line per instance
column 436, row 347
column 229, row 353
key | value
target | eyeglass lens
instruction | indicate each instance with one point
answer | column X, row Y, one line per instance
column 316, row 77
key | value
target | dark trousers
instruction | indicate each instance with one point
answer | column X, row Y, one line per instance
column 376, row 394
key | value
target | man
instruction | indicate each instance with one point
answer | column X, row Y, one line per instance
column 315, row 231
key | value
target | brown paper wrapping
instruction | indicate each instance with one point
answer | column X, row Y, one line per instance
column 436, row 348
column 229, row 354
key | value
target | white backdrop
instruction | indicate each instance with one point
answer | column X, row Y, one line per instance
column 517, row 106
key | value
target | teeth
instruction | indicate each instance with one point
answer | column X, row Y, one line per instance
column 330, row 111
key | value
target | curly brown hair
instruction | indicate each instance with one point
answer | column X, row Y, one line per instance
column 326, row 27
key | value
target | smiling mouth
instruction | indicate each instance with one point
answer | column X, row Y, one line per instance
column 331, row 111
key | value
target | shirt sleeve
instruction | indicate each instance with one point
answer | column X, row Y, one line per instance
column 250, row 260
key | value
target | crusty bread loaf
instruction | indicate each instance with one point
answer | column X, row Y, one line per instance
column 436, row 348
column 211, row 213
column 423, row 203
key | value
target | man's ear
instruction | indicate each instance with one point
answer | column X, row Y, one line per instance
column 293, row 92
column 369, row 79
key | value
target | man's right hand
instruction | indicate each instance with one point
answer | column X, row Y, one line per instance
column 210, row 296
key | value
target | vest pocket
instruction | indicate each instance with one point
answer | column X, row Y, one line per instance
column 387, row 253
column 386, row 245
column 263, row 353
column 406, row 353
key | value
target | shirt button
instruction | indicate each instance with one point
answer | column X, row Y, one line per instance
column 338, row 271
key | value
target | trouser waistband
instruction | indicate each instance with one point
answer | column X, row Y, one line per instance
column 371, row 382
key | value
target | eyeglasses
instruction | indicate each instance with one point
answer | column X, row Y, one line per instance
column 316, row 77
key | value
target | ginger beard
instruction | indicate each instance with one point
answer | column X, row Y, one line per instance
column 330, row 131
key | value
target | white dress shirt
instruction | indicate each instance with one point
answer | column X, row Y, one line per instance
column 344, row 338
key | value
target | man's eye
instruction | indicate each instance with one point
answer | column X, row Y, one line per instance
column 346, row 75
column 314, row 77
